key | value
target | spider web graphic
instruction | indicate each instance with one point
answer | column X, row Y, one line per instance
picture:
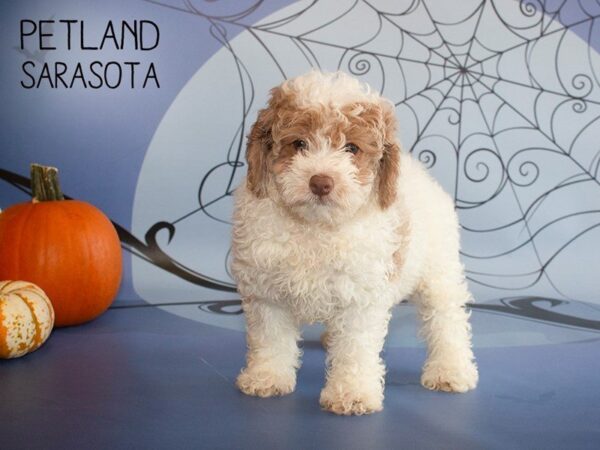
column 500, row 100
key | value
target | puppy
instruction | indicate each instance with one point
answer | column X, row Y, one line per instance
column 334, row 224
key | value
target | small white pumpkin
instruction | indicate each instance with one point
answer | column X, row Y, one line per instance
column 26, row 318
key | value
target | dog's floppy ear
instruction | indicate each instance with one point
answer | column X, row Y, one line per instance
column 389, row 165
column 259, row 145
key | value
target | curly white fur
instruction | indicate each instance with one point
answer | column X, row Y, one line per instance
column 345, row 261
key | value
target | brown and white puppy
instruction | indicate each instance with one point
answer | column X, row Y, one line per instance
column 335, row 225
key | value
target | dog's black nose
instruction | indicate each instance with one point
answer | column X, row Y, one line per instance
column 321, row 185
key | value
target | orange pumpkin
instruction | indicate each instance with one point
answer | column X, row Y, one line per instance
column 67, row 247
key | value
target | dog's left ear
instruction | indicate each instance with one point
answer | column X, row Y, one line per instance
column 389, row 164
column 259, row 145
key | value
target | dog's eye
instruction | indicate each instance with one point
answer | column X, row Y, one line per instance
column 351, row 148
column 299, row 144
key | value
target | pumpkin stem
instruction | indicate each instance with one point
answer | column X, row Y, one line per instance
column 44, row 183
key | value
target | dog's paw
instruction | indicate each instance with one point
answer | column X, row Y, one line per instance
column 450, row 377
column 346, row 401
column 265, row 383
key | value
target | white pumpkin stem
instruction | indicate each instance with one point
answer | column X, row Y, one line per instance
column 44, row 183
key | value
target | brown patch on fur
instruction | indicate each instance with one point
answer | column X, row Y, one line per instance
column 402, row 232
column 373, row 128
column 261, row 139
column 389, row 167
column 364, row 127
column 294, row 123
column 259, row 144
column 283, row 159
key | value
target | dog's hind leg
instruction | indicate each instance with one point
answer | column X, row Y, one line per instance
column 273, row 353
column 441, row 302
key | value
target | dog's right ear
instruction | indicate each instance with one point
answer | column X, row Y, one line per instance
column 259, row 145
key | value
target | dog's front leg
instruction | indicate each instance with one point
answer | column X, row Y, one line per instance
column 273, row 354
column 355, row 374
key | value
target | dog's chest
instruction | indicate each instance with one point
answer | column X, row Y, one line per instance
column 315, row 270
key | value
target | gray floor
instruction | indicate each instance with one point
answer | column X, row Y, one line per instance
column 144, row 378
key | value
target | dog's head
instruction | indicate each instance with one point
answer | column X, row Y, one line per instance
column 324, row 147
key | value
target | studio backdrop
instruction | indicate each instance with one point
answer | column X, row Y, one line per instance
column 144, row 107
